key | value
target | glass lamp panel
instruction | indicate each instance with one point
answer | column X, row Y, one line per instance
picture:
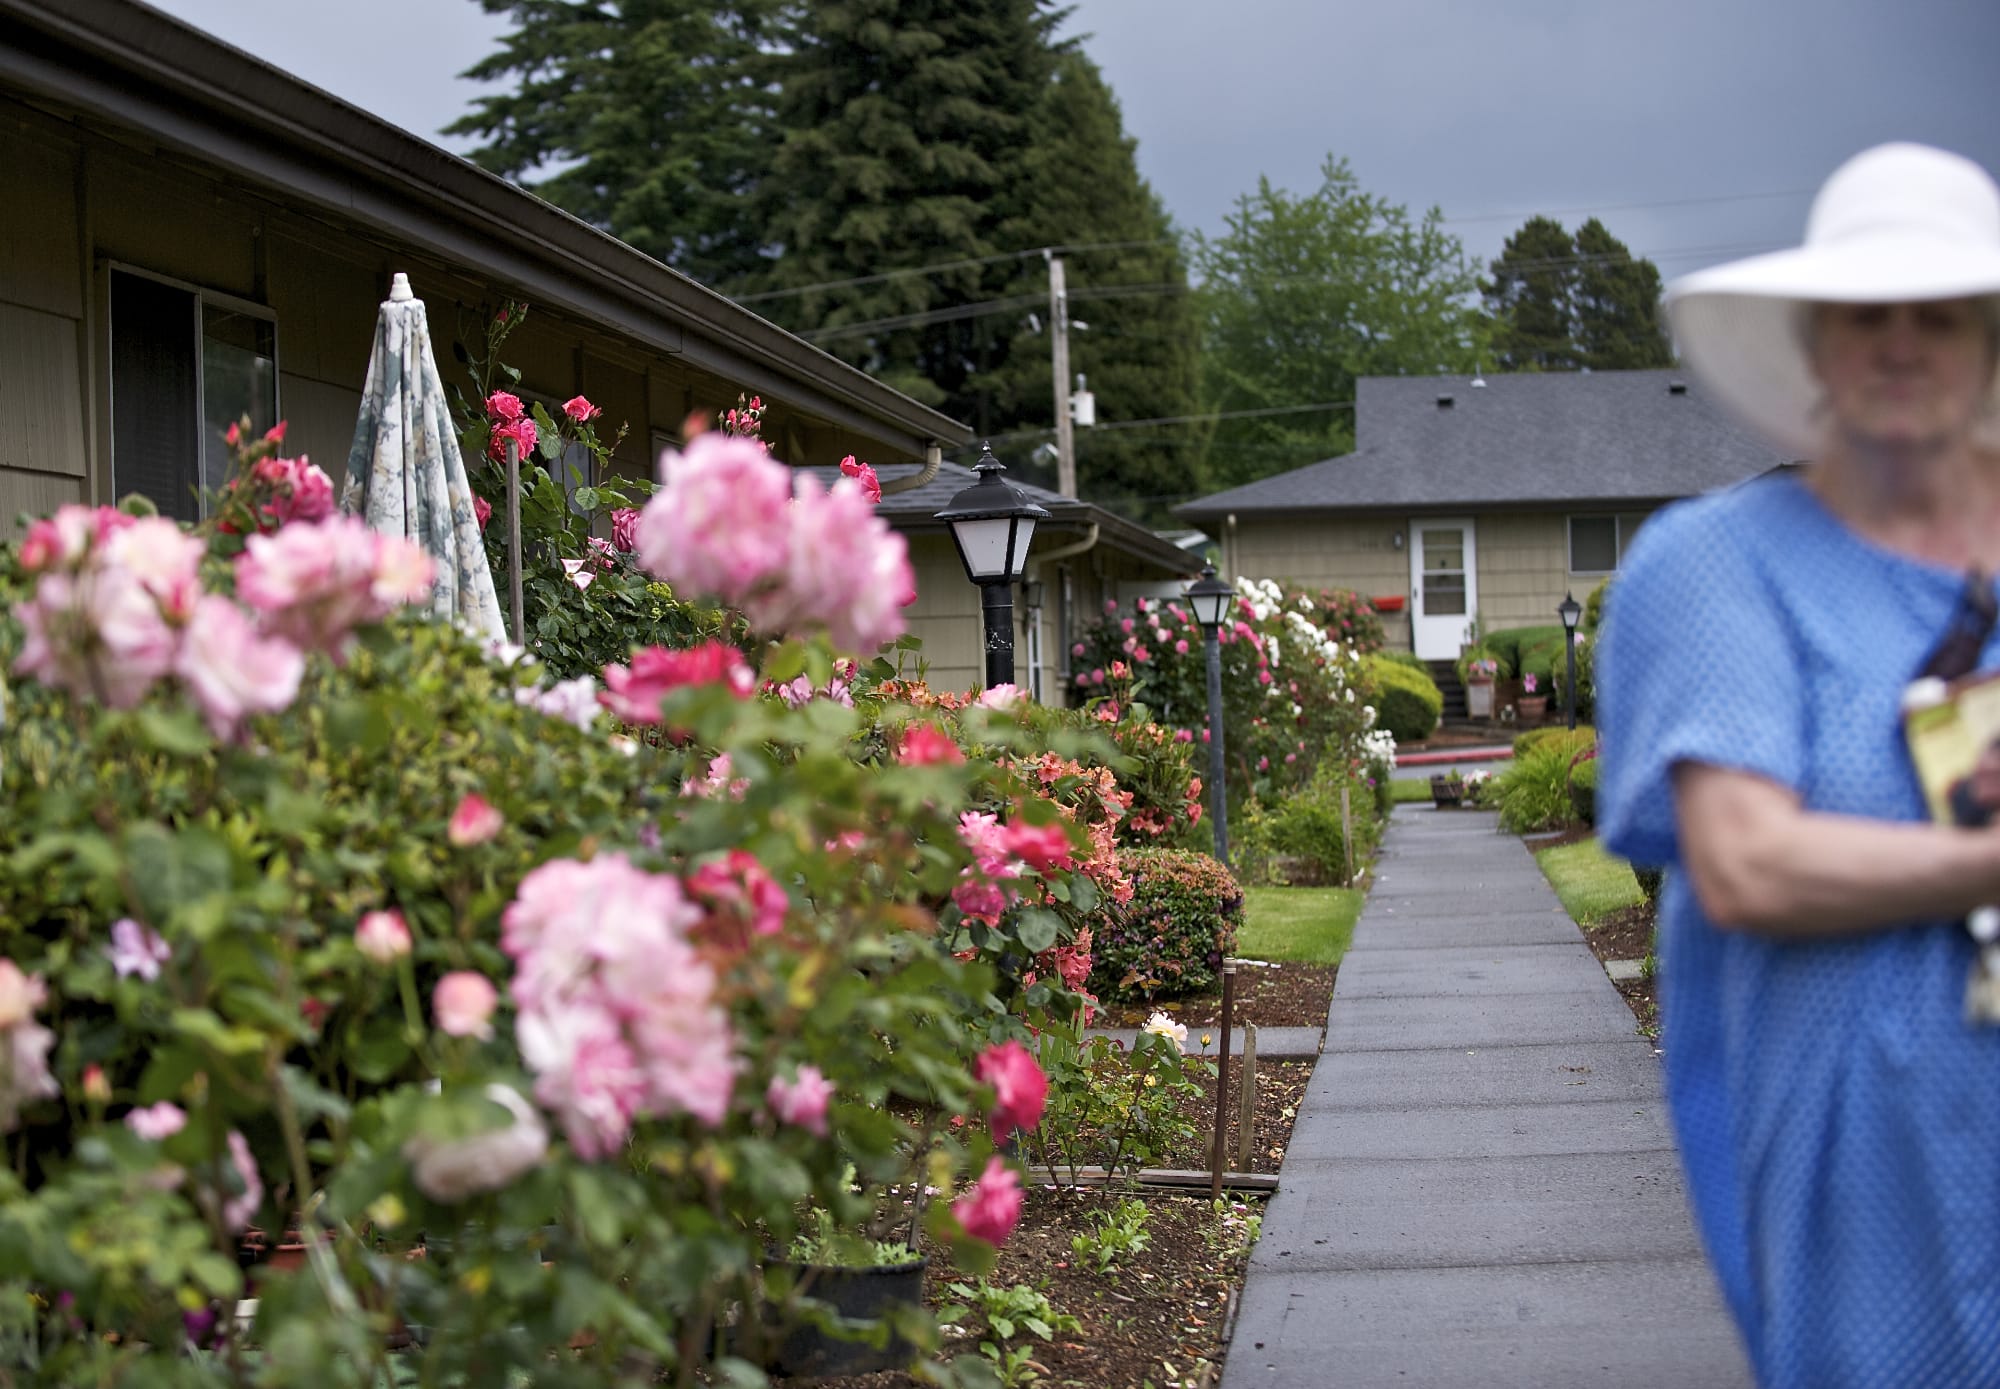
column 1208, row 607
column 983, row 545
column 1017, row 564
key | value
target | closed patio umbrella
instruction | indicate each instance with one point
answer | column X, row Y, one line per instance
column 404, row 473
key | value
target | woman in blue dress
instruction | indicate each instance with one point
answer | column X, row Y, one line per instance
column 1837, row 1108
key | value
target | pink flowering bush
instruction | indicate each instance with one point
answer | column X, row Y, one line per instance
column 319, row 918
column 1294, row 689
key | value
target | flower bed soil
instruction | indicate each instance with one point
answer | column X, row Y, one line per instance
column 1161, row 1317
column 1287, row 995
column 1626, row 934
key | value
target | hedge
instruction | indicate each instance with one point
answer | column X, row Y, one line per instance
column 1407, row 701
column 1171, row 940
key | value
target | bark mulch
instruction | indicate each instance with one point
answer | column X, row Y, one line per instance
column 1283, row 995
column 1158, row 1317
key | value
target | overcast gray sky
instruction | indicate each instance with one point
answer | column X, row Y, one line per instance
column 1719, row 116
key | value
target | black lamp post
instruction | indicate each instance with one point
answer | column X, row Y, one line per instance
column 1569, row 611
column 992, row 523
column 1210, row 598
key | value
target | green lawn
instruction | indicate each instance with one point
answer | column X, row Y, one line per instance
column 1591, row 883
column 1311, row 925
column 1403, row 792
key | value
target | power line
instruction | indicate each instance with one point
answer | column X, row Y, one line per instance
column 945, row 267
column 981, row 308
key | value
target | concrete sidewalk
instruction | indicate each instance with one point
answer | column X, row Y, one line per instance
column 1481, row 1189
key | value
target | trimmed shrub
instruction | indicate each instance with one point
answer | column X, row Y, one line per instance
column 1536, row 651
column 1526, row 742
column 1407, row 701
column 1651, row 880
column 1406, row 658
column 1182, row 920
column 1583, row 789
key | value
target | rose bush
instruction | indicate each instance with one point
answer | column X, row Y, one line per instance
column 402, row 943
column 1293, row 694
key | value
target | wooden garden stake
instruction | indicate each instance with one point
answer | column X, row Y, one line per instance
column 1347, row 833
column 1218, row 1155
column 1247, row 1112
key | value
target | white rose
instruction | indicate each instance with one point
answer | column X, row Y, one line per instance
column 450, row 1172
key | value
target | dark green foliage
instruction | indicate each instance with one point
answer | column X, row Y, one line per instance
column 1586, row 684
column 1593, row 607
column 1526, row 742
column 904, row 123
column 1076, row 183
column 1407, row 701
column 1303, row 294
column 660, row 108
column 1533, row 792
column 1528, row 650
column 1559, row 303
column 1651, row 880
column 1171, row 941
column 1583, row 790
column 1531, row 298
column 1308, row 832
column 1617, row 304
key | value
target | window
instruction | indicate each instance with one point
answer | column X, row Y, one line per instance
column 1597, row 544
column 185, row 365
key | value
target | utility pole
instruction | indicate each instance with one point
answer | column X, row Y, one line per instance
column 1059, row 344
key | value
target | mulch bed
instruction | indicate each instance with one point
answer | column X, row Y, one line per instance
column 1284, row 995
column 1161, row 1317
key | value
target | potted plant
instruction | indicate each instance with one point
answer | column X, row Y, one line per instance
column 1447, row 789
column 1533, row 703
column 1478, row 668
column 859, row 1283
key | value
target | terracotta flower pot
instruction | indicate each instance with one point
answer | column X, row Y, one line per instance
column 1533, row 708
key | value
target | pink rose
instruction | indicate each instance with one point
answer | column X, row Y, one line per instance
column 634, row 693
column 482, row 511
column 98, row 634
column 314, row 582
column 522, row 431
column 24, row 1044
column 504, row 407
column 580, row 410
column 991, row 1208
column 923, row 745
column 801, row 1101
column 871, row 486
column 382, row 937
column 720, row 522
column 232, row 671
column 475, row 821
column 845, row 571
column 742, row 898
column 1020, row 1088
column 155, row 1122
column 165, row 559
column 1181, row 647
column 1003, row 696
column 237, row 1209
column 1041, row 847
column 625, row 529
column 463, row 1003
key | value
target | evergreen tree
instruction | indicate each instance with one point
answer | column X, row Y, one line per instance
column 1532, row 299
column 1077, row 184
column 1617, row 304
column 1302, row 295
column 659, row 108
column 903, row 122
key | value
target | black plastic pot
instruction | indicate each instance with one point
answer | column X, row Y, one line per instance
column 857, row 1297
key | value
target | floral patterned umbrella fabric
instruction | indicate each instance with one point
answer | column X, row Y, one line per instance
column 404, row 473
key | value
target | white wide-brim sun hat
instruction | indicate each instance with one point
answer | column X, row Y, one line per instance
column 1900, row 223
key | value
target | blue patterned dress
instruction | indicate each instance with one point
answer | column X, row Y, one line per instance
column 1838, row 1119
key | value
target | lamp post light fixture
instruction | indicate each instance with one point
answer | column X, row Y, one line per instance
column 1569, row 611
column 992, row 523
column 1211, row 598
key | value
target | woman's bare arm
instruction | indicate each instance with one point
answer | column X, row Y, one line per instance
column 1759, row 862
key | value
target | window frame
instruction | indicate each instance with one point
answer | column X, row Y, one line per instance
column 1624, row 525
column 201, row 296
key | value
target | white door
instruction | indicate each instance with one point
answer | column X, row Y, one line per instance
column 1443, row 595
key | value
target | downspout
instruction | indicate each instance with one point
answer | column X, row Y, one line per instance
column 1088, row 542
column 933, row 459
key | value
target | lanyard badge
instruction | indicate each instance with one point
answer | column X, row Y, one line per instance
column 1951, row 718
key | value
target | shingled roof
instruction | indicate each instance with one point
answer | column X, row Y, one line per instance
column 1426, row 442
column 916, row 510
